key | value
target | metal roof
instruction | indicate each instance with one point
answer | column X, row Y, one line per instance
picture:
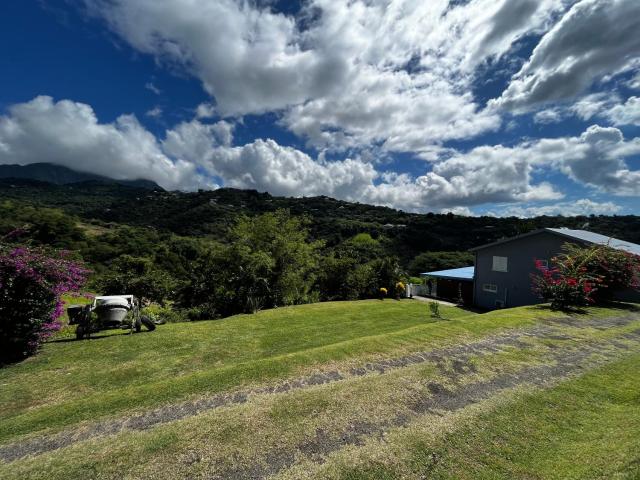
column 596, row 238
column 464, row 273
column 507, row 239
column 580, row 235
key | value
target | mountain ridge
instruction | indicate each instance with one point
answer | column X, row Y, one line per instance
column 210, row 213
column 61, row 175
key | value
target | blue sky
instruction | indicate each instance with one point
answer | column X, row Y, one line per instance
column 476, row 107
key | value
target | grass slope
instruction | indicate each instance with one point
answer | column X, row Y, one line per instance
column 375, row 425
column 586, row 428
column 70, row 381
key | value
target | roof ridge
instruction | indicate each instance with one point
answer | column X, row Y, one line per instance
column 586, row 236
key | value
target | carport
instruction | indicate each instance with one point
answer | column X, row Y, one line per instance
column 455, row 284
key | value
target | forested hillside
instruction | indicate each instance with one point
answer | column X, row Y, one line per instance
column 211, row 254
column 210, row 213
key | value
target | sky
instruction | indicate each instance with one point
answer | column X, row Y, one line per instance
column 476, row 107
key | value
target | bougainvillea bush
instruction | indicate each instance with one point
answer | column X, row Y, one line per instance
column 615, row 270
column 584, row 275
column 32, row 282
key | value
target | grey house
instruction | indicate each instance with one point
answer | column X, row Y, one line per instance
column 502, row 274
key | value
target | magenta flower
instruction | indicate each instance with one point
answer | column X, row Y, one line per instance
column 32, row 281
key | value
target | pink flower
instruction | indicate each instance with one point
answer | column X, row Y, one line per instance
column 41, row 277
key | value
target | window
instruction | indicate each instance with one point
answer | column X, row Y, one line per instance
column 490, row 287
column 500, row 264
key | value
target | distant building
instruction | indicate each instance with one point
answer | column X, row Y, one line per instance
column 502, row 273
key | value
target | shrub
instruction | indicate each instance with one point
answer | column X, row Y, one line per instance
column 387, row 272
column 563, row 290
column 346, row 275
column 136, row 276
column 434, row 308
column 579, row 276
column 383, row 293
column 32, row 282
column 165, row 314
column 400, row 290
column 613, row 269
column 360, row 283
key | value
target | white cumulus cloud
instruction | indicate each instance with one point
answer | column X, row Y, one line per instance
column 627, row 113
column 192, row 154
column 583, row 206
column 344, row 74
column 68, row 133
column 250, row 59
column 595, row 39
column 596, row 158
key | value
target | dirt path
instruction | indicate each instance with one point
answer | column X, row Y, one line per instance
column 434, row 396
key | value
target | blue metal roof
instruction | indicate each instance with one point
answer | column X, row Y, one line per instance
column 596, row 238
column 464, row 273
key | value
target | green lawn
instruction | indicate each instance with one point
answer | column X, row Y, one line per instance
column 587, row 428
column 70, row 381
column 372, row 425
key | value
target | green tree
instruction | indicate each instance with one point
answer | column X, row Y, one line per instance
column 269, row 262
column 294, row 258
column 433, row 261
column 136, row 276
column 347, row 272
column 387, row 273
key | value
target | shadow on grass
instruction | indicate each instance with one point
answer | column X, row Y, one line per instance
column 548, row 308
column 629, row 307
column 449, row 303
column 622, row 306
column 470, row 309
column 113, row 333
